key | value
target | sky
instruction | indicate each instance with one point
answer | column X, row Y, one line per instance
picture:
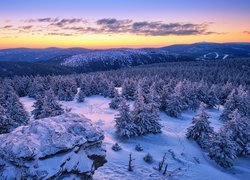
column 121, row 23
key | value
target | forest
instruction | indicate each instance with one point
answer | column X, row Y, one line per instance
column 171, row 88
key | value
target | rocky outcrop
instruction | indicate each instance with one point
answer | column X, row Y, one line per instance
column 52, row 148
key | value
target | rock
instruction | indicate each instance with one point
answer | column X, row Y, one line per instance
column 57, row 147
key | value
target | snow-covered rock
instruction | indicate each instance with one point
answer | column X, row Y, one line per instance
column 63, row 146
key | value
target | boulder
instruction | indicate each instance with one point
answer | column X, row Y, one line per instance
column 52, row 148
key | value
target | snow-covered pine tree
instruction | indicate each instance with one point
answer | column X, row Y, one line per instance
column 224, row 92
column 138, row 114
column 5, row 123
column 111, row 90
column 51, row 106
column 103, row 87
column 165, row 95
column 146, row 116
column 115, row 102
column 202, row 91
column 128, row 89
column 154, row 96
column 38, row 107
column 230, row 105
column 192, row 100
column 47, row 106
column 175, row 104
column 237, row 128
column 37, row 87
column 244, row 102
column 222, row 149
column 67, row 90
column 211, row 99
column 238, row 99
column 201, row 131
column 14, row 108
column 86, row 88
column 125, row 126
column 153, row 113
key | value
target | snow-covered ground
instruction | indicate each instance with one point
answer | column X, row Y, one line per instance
column 209, row 54
column 225, row 56
column 180, row 152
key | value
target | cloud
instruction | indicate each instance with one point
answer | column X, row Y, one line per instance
column 42, row 20
column 25, row 27
column 114, row 25
column 80, row 26
column 47, row 20
column 60, row 34
column 64, row 22
column 7, row 27
column 147, row 28
column 164, row 29
column 246, row 32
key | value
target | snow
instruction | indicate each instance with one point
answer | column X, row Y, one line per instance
column 124, row 56
column 225, row 56
column 50, row 147
column 215, row 53
column 180, row 152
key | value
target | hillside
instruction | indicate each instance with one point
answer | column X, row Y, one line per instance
column 78, row 60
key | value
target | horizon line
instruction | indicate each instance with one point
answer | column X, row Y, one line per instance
column 125, row 47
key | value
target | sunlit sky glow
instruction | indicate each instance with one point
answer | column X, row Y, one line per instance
column 128, row 23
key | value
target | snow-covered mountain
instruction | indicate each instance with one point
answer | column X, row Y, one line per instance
column 61, row 61
column 117, row 58
column 210, row 51
column 34, row 55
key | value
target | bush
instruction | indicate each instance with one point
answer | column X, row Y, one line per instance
column 116, row 147
column 148, row 158
column 138, row 147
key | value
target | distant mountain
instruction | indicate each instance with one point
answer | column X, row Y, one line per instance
column 34, row 55
column 208, row 51
column 119, row 58
column 23, row 61
column 10, row 68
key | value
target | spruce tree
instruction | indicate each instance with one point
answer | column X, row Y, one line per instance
column 222, row 149
column 14, row 108
column 47, row 106
column 146, row 116
column 6, row 123
column 125, row 126
column 212, row 100
column 128, row 89
column 37, row 88
column 230, row 105
column 175, row 104
column 38, row 107
column 111, row 90
column 201, row 131
column 237, row 128
column 238, row 99
column 115, row 102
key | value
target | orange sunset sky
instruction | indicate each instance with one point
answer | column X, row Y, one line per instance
column 112, row 23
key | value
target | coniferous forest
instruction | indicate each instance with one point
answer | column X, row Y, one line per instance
column 124, row 90
column 171, row 88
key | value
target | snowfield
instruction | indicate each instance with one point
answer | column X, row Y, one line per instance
column 180, row 152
